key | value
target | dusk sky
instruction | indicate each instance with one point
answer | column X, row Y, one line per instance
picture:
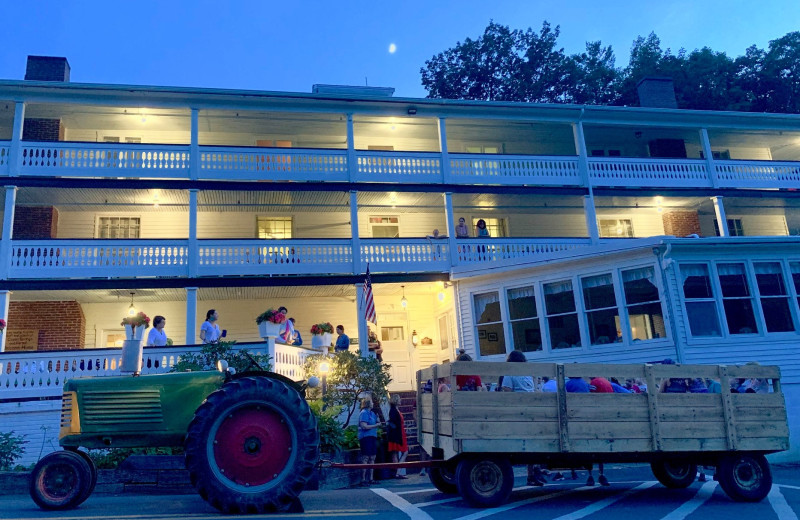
column 288, row 46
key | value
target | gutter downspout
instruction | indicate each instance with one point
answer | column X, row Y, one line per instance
column 662, row 254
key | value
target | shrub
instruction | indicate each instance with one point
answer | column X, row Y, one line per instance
column 113, row 457
column 331, row 435
column 11, row 448
column 213, row 352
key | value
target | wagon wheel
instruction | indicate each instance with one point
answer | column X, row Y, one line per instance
column 745, row 477
column 485, row 482
column 61, row 480
column 443, row 478
column 251, row 446
column 675, row 474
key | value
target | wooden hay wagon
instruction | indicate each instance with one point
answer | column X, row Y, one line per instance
column 478, row 435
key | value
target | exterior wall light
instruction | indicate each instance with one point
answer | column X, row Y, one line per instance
column 414, row 338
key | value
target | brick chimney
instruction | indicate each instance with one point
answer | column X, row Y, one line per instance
column 47, row 68
column 656, row 92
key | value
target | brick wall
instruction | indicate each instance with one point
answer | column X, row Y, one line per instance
column 60, row 325
column 32, row 222
column 35, row 129
column 656, row 92
column 681, row 223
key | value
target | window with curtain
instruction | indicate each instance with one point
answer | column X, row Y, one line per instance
column 701, row 307
column 602, row 313
column 774, row 297
column 643, row 303
column 526, row 332
column 489, row 324
column 737, row 299
column 562, row 317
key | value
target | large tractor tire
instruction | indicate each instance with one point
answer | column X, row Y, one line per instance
column 674, row 474
column 61, row 480
column 251, row 446
column 745, row 477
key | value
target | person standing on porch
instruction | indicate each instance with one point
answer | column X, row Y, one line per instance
column 209, row 331
column 342, row 341
column 157, row 337
column 480, row 229
column 462, row 231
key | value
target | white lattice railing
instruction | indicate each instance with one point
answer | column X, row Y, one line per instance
column 618, row 171
column 481, row 250
column 297, row 256
column 758, row 174
column 5, row 148
column 406, row 255
column 41, row 374
column 280, row 164
column 399, row 167
column 90, row 258
column 104, row 159
column 514, row 169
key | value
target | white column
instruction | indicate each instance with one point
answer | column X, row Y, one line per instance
column 194, row 146
column 194, row 250
column 8, row 231
column 583, row 171
column 446, row 178
column 5, row 296
column 15, row 149
column 191, row 315
column 352, row 160
column 722, row 220
column 451, row 227
column 712, row 169
column 363, row 330
column 355, row 239
column 591, row 218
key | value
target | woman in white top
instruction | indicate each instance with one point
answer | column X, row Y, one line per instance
column 157, row 337
column 209, row 332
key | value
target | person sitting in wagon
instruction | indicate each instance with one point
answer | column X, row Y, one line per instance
column 466, row 382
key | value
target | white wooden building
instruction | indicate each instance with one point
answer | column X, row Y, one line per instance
column 179, row 200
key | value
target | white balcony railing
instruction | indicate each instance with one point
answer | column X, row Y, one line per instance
column 618, row 171
column 758, row 174
column 278, row 164
column 514, row 169
column 423, row 167
column 479, row 250
column 90, row 258
column 42, row 374
column 104, row 159
column 252, row 257
column 5, row 150
column 405, row 255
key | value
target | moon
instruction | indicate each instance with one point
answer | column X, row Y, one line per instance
column 392, row 48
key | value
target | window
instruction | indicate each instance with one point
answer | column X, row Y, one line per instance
column 642, row 301
column 526, row 333
column 602, row 314
column 489, row 324
column 737, row 299
column 701, row 308
column 496, row 226
column 112, row 338
column 735, row 228
column 118, row 227
column 774, row 298
column 562, row 317
column 110, row 139
column 133, row 140
column 616, row 228
column 795, row 268
column 392, row 334
column 384, row 227
column 599, row 152
column 482, row 149
column 274, row 227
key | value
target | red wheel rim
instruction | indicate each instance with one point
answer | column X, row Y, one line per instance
column 58, row 482
column 252, row 445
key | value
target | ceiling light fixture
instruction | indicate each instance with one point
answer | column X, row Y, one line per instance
column 403, row 300
column 132, row 308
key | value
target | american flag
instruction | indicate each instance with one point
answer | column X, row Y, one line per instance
column 369, row 302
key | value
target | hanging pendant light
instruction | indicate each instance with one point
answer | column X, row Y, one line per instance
column 403, row 300
column 132, row 309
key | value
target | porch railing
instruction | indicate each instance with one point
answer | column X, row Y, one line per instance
column 5, row 149
column 758, row 174
column 406, row 255
column 104, row 159
column 618, row 171
column 514, row 169
column 278, row 164
column 42, row 374
column 424, row 167
column 474, row 250
column 248, row 257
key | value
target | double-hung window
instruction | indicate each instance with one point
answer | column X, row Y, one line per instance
column 525, row 329
column 562, row 317
column 489, row 324
column 602, row 313
column 737, row 299
column 274, row 227
column 645, row 316
column 701, row 307
column 118, row 227
column 774, row 297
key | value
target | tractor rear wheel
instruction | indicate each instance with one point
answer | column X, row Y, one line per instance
column 61, row 480
column 251, row 446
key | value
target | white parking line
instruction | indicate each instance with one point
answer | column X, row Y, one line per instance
column 602, row 504
column 514, row 505
column 413, row 512
column 437, row 502
column 779, row 504
column 428, row 490
column 687, row 508
column 788, row 486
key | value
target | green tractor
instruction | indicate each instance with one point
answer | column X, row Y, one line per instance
column 251, row 440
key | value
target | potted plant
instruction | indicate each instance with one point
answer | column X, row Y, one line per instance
column 270, row 323
column 135, row 326
column 321, row 334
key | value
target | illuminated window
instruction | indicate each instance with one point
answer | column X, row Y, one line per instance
column 735, row 228
column 384, row 227
column 489, row 324
column 495, row 226
column 274, row 227
column 113, row 339
column 392, row 334
column 644, row 305
column 615, row 228
column 118, row 227
column 602, row 314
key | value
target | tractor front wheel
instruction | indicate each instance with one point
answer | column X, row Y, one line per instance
column 251, row 446
column 61, row 480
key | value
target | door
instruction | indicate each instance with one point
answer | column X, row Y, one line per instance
column 393, row 334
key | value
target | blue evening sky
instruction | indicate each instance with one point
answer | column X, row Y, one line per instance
column 290, row 45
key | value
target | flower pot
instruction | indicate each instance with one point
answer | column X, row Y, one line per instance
column 134, row 333
column 267, row 329
column 131, row 356
column 318, row 341
column 326, row 339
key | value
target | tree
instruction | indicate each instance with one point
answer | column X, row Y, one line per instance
column 210, row 353
column 781, row 74
column 592, row 76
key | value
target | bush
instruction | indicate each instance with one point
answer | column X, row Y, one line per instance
column 113, row 457
column 213, row 352
column 11, row 448
column 331, row 436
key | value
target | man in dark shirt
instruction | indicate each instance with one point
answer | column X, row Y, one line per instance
column 342, row 341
